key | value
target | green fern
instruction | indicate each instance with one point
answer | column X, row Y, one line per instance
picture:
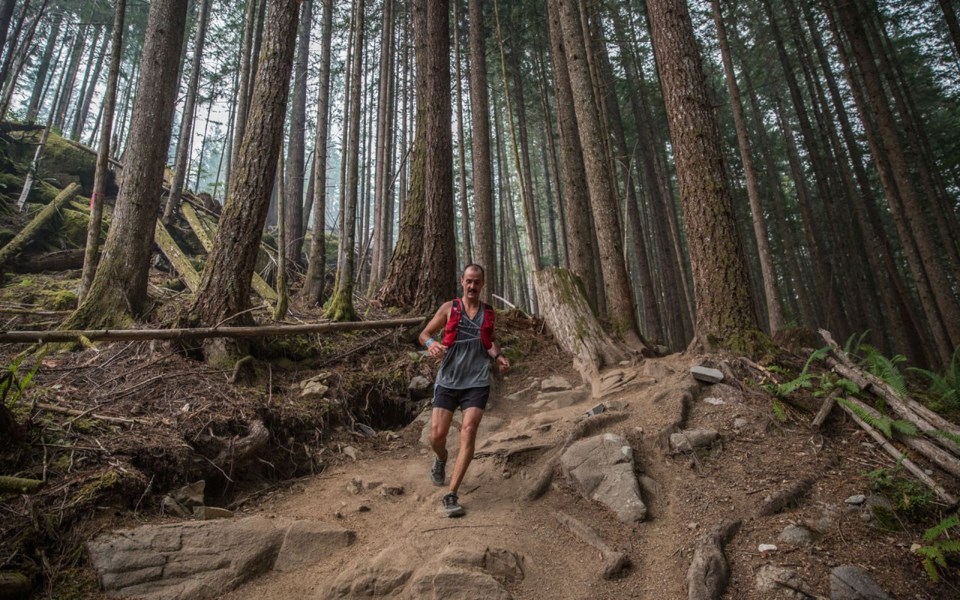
column 882, row 422
column 852, row 347
column 804, row 380
column 779, row 412
column 886, row 368
column 946, row 386
column 945, row 435
column 11, row 382
column 938, row 551
column 815, row 356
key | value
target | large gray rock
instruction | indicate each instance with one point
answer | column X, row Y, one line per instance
column 786, row 582
column 462, row 573
column 420, row 387
column 853, row 583
column 602, row 469
column 555, row 383
column 706, row 374
column 205, row 559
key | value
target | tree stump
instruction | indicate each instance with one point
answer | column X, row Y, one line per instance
column 572, row 322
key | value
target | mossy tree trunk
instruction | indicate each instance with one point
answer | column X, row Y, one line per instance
column 224, row 292
column 340, row 305
column 569, row 317
column 316, row 265
column 119, row 289
column 92, row 248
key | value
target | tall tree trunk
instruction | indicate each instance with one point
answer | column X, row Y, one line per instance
column 295, row 163
column 770, row 292
column 724, row 310
column 340, row 305
column 66, row 93
column 92, row 247
column 603, row 199
column 382, row 194
column 316, row 266
column 939, row 304
column 6, row 13
column 224, row 290
column 438, row 271
column 575, row 199
column 119, row 288
column 185, row 139
column 14, row 40
column 461, row 144
column 481, row 158
column 40, row 78
column 83, row 108
column 22, row 54
column 950, row 16
column 246, row 79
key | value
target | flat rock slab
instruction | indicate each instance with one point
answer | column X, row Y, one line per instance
column 555, row 383
column 206, row 559
column 782, row 581
column 691, row 439
column 853, row 583
column 555, row 400
column 459, row 573
column 602, row 469
column 706, row 374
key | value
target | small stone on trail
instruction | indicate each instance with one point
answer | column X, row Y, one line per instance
column 555, row 384
column 856, row 499
column 507, row 474
column 372, row 485
column 351, row 452
column 355, row 486
column 391, row 490
column 796, row 535
column 739, row 423
column 692, row 526
column 772, row 578
column 767, row 548
column 706, row 374
column 690, row 439
column 596, row 410
column 313, row 390
column 363, row 508
column 366, row 430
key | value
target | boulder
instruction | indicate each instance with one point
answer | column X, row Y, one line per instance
column 853, row 583
column 205, row 559
column 773, row 579
column 382, row 576
column 420, row 387
column 502, row 564
column 602, row 469
column 796, row 535
column 706, row 374
column 451, row 583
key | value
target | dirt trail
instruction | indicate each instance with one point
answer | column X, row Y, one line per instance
column 695, row 493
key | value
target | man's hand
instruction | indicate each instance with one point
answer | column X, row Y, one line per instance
column 437, row 350
column 503, row 363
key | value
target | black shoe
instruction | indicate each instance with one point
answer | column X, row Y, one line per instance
column 438, row 472
column 452, row 506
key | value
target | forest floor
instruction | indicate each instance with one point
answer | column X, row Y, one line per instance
column 168, row 410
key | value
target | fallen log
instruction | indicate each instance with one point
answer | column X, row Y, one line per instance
column 177, row 258
column 18, row 485
column 825, row 408
column 901, row 458
column 928, row 449
column 29, row 232
column 203, row 233
column 614, row 563
column 88, row 413
column 119, row 335
column 61, row 260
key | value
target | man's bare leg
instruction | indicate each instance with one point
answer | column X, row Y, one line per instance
column 468, row 438
column 440, row 421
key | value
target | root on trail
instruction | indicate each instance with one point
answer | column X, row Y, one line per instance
column 786, row 496
column 614, row 563
column 709, row 572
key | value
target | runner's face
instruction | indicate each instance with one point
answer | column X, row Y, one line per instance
column 472, row 282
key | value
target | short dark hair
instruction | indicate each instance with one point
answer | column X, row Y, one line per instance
column 474, row 266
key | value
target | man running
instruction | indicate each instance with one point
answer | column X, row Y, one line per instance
column 463, row 379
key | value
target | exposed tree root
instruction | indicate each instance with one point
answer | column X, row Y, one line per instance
column 709, row 572
column 614, row 563
column 787, row 496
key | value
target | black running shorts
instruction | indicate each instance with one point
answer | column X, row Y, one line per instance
column 450, row 399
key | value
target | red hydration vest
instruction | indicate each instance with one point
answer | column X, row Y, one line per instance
column 453, row 324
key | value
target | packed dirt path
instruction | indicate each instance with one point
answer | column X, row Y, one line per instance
column 687, row 495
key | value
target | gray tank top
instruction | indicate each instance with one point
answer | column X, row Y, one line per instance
column 466, row 364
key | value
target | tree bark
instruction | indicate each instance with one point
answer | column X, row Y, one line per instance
column 603, row 199
column 243, row 90
column 724, row 309
column 66, row 93
column 92, row 248
column 316, row 266
column 481, row 155
column 295, row 162
column 461, row 146
column 438, row 271
column 771, row 294
column 40, row 78
column 185, row 138
column 340, row 305
column 119, row 289
column 83, row 109
column 224, row 292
